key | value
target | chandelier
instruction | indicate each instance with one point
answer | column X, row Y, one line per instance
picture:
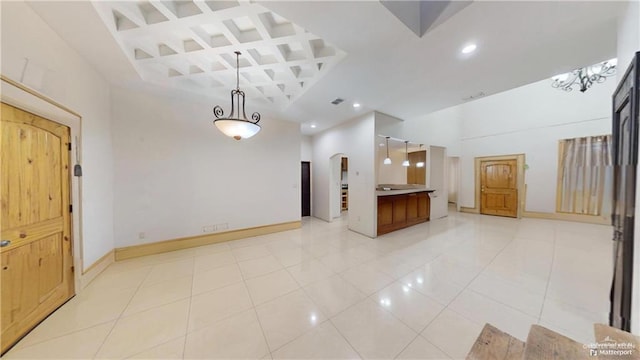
column 586, row 76
column 234, row 126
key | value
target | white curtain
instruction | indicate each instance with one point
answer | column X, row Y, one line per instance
column 586, row 173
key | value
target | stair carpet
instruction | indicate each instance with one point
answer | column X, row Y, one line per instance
column 545, row 344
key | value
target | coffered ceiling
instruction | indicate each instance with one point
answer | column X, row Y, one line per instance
column 191, row 45
column 298, row 56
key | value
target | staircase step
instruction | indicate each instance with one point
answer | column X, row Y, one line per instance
column 610, row 338
column 545, row 344
column 493, row 344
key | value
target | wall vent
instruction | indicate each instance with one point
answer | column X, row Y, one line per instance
column 337, row 101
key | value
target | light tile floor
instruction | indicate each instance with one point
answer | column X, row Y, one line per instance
column 325, row 292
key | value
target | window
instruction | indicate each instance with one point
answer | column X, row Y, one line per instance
column 585, row 175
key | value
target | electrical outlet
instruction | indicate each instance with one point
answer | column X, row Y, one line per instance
column 223, row 226
column 208, row 229
column 142, row 235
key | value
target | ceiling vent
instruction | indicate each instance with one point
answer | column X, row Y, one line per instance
column 337, row 101
column 474, row 96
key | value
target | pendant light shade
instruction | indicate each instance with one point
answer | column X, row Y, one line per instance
column 237, row 129
column 406, row 154
column 236, row 125
column 387, row 160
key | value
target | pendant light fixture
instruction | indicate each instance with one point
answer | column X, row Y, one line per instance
column 420, row 163
column 387, row 160
column 236, row 126
column 406, row 154
column 584, row 77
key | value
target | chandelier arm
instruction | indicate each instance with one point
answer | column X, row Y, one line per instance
column 584, row 77
column 255, row 117
column 233, row 105
column 218, row 112
column 244, row 115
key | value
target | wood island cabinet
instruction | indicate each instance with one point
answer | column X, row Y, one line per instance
column 400, row 211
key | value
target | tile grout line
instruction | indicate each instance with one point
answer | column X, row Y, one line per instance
column 122, row 312
column 546, row 290
column 329, row 319
column 255, row 310
column 76, row 330
column 463, row 289
column 300, row 287
column 320, row 308
column 316, row 241
column 186, row 330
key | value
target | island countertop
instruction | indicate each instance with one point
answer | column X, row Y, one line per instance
column 402, row 191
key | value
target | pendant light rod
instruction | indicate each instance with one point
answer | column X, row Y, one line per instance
column 387, row 160
column 237, row 69
column 387, row 146
column 406, row 154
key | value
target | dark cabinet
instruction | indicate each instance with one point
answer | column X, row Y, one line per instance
column 412, row 208
column 399, row 211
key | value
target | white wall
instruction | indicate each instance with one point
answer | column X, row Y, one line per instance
column 58, row 72
column 306, row 148
column 440, row 128
column 335, row 189
column 453, row 178
column 530, row 120
column 355, row 139
column 437, row 175
column 176, row 173
column 628, row 44
column 628, row 35
column 394, row 173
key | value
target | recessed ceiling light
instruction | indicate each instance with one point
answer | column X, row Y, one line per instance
column 356, row 105
column 313, row 126
column 469, row 49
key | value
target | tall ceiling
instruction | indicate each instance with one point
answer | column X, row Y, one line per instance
column 367, row 54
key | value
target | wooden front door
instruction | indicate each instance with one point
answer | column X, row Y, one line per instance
column 626, row 120
column 35, row 257
column 499, row 187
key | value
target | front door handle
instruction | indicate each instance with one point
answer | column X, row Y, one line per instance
column 4, row 243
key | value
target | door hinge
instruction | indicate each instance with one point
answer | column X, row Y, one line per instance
column 73, row 269
column 70, row 208
column 69, row 146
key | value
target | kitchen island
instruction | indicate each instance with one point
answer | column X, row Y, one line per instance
column 400, row 207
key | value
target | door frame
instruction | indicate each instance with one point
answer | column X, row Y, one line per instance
column 30, row 100
column 335, row 192
column 520, row 161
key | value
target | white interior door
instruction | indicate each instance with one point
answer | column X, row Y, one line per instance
column 437, row 181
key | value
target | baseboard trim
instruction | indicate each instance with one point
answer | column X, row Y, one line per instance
column 193, row 241
column 590, row 219
column 96, row 268
column 469, row 210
